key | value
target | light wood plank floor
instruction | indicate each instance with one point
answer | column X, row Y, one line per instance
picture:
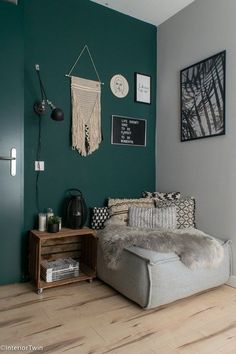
column 95, row 319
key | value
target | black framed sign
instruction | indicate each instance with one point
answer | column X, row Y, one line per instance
column 202, row 88
column 142, row 88
column 128, row 131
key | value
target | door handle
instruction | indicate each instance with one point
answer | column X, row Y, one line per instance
column 12, row 159
column 2, row 158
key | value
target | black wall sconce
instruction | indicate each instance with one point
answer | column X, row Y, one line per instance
column 40, row 107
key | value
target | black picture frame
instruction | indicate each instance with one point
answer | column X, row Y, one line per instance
column 142, row 88
column 202, row 98
column 128, row 131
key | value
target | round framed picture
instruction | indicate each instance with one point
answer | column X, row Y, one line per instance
column 119, row 86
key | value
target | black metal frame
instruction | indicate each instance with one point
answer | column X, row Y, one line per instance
column 181, row 103
column 128, row 118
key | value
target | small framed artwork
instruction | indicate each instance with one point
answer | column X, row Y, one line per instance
column 202, row 87
column 142, row 88
column 119, row 86
column 128, row 131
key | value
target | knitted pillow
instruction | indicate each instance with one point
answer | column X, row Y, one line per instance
column 118, row 208
column 99, row 216
column 162, row 196
column 153, row 218
column 185, row 210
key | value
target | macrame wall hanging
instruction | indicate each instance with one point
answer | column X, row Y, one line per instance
column 86, row 110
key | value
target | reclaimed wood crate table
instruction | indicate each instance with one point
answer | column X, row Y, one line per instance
column 77, row 244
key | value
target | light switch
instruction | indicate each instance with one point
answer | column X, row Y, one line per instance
column 39, row 166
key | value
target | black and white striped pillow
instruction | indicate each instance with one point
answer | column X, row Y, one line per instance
column 153, row 218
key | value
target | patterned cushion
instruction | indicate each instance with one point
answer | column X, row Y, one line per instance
column 185, row 209
column 99, row 216
column 162, row 196
column 153, row 218
column 118, row 208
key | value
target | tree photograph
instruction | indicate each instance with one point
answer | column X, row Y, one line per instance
column 203, row 98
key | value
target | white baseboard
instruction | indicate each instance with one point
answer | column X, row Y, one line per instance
column 232, row 281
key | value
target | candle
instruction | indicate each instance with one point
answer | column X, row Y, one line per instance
column 42, row 222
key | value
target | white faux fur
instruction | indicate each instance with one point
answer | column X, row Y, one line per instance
column 195, row 248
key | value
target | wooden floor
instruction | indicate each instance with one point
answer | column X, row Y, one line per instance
column 93, row 318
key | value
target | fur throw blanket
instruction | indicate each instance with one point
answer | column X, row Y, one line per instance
column 194, row 247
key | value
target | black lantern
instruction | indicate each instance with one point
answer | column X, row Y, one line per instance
column 76, row 209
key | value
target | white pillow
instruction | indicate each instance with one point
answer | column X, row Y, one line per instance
column 153, row 218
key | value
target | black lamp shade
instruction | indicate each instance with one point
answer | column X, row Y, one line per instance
column 57, row 114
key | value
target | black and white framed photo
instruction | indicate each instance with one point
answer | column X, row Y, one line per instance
column 142, row 88
column 203, row 98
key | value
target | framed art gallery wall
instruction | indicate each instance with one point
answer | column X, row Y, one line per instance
column 121, row 170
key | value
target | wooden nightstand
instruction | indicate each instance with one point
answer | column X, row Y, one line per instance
column 78, row 244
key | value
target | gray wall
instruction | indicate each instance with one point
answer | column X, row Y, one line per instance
column 204, row 168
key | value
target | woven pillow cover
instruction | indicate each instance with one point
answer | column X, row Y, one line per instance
column 185, row 211
column 153, row 218
column 118, row 208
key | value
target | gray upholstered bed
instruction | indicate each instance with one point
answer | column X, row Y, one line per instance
column 152, row 279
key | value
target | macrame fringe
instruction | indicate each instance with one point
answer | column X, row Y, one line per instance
column 86, row 115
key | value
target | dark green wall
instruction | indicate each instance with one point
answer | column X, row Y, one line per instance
column 55, row 32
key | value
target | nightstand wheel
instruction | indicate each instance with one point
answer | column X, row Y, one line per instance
column 39, row 291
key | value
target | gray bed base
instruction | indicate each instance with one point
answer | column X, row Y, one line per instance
column 152, row 279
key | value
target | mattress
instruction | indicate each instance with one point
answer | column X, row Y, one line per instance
column 152, row 279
